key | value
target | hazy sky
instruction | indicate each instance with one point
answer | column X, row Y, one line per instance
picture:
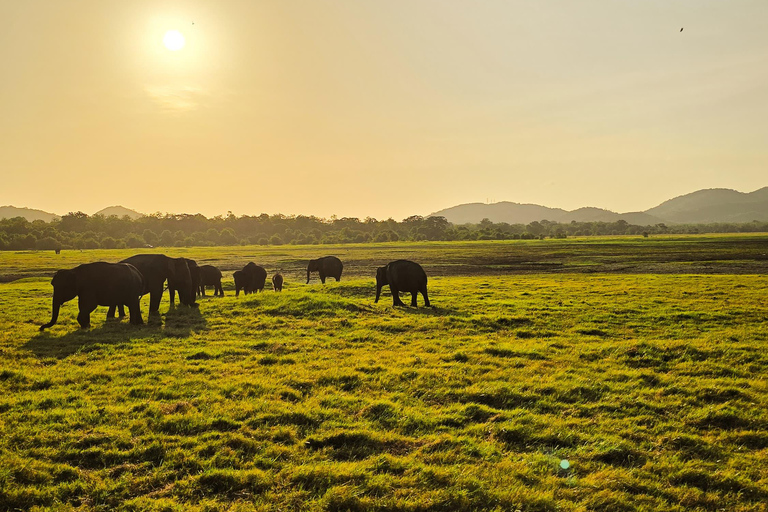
column 379, row 108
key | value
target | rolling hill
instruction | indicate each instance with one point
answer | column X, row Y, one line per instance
column 119, row 211
column 515, row 213
column 9, row 212
column 714, row 205
column 700, row 207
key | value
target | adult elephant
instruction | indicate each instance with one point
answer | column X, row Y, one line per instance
column 402, row 276
column 194, row 274
column 210, row 276
column 327, row 266
column 156, row 269
column 97, row 284
column 255, row 276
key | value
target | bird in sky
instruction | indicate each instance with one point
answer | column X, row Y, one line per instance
column 681, row 29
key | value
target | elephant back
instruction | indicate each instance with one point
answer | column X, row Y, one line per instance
column 332, row 265
column 406, row 274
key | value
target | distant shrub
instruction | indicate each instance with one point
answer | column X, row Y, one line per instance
column 47, row 244
column 108, row 243
column 133, row 241
column 227, row 237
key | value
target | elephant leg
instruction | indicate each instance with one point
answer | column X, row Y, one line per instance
column 202, row 290
column 322, row 277
column 135, row 309
column 155, row 296
column 338, row 278
column 121, row 309
column 84, row 315
column 413, row 299
column 219, row 289
column 396, row 297
column 424, row 294
column 111, row 312
column 172, row 293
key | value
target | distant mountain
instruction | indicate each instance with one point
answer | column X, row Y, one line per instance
column 714, row 205
column 9, row 212
column 119, row 211
column 515, row 213
column 701, row 207
column 505, row 211
column 590, row 214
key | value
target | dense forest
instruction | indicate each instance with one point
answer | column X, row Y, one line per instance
column 80, row 231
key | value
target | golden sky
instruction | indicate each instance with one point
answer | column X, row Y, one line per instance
column 383, row 108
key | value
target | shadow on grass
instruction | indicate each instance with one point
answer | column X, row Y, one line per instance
column 179, row 323
column 430, row 311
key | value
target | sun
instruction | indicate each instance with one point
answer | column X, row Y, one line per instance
column 174, row 40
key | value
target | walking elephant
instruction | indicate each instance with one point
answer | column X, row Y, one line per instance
column 210, row 276
column 156, row 269
column 402, row 276
column 327, row 266
column 97, row 284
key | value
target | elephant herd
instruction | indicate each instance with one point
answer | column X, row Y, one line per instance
column 121, row 285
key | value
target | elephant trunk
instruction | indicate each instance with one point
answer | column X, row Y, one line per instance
column 54, row 314
column 378, row 292
column 307, row 276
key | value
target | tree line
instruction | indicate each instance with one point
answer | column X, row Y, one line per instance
column 77, row 230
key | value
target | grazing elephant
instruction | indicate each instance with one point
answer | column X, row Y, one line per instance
column 327, row 266
column 277, row 282
column 256, row 278
column 402, row 276
column 156, row 269
column 97, row 284
column 194, row 274
column 210, row 276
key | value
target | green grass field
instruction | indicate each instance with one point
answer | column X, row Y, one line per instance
column 640, row 362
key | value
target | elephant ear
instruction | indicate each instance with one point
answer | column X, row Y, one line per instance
column 64, row 278
column 381, row 275
column 64, row 285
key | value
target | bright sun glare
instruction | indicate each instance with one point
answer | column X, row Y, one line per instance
column 174, row 40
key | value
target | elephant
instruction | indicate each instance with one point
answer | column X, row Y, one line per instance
column 97, row 284
column 251, row 279
column 256, row 277
column 402, row 276
column 210, row 276
column 277, row 282
column 194, row 274
column 327, row 266
column 156, row 268
column 240, row 282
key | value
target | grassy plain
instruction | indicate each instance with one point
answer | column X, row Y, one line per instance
column 650, row 383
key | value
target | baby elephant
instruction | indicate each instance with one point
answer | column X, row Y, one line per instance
column 402, row 276
column 277, row 282
column 241, row 281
